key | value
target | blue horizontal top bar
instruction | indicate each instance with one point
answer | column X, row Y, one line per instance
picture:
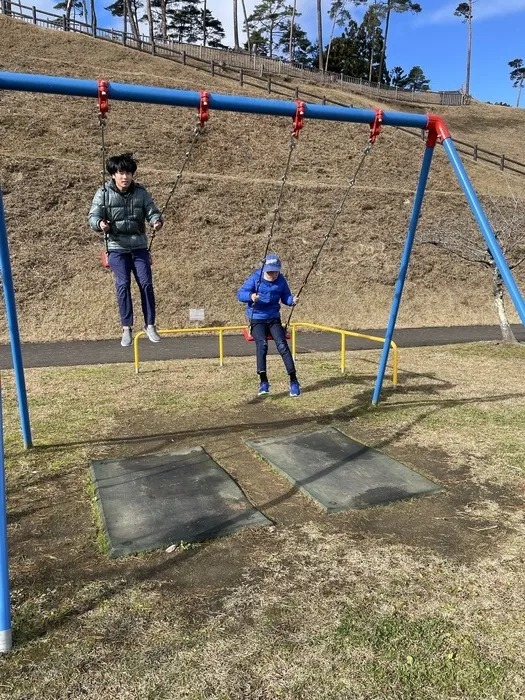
column 28, row 82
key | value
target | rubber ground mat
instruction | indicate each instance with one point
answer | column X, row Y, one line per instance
column 338, row 472
column 162, row 499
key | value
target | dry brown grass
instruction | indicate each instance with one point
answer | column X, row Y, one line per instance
column 217, row 225
column 422, row 599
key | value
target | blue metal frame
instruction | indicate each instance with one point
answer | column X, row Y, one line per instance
column 5, row 612
column 403, row 269
column 14, row 333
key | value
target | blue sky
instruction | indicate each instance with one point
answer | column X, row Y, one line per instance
column 434, row 39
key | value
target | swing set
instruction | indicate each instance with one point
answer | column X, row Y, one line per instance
column 437, row 132
column 203, row 116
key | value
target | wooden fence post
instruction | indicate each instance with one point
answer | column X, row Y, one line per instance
column 502, row 163
column 296, row 93
column 212, row 67
column 269, row 84
column 34, row 14
column 184, row 58
column 475, row 151
column 241, row 77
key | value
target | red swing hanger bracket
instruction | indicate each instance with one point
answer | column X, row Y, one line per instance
column 375, row 128
column 103, row 99
column 298, row 121
column 204, row 108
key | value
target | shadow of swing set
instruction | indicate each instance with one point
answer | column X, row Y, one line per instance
column 336, row 471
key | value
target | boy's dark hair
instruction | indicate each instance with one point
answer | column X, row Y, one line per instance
column 123, row 163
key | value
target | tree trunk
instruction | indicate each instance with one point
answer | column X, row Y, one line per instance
column 132, row 20
column 236, row 45
column 499, row 304
column 330, row 42
column 93, row 18
column 204, row 32
column 469, row 48
column 320, row 33
column 519, row 92
column 150, row 26
column 69, row 7
column 246, row 26
column 290, row 43
column 383, row 50
column 371, row 64
column 163, row 21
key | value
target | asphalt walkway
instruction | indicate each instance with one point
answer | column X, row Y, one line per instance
column 92, row 352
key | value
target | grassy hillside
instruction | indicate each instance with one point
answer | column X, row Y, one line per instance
column 217, row 224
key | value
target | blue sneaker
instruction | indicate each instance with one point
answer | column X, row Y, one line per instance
column 264, row 389
column 295, row 389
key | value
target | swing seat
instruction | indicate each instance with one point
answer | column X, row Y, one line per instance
column 104, row 259
column 249, row 337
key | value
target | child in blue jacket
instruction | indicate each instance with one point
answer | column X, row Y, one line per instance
column 263, row 293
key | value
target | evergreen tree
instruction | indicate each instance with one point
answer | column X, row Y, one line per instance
column 185, row 23
column 345, row 56
column 416, row 79
column 517, row 75
column 398, row 77
column 268, row 21
column 302, row 48
column 384, row 9
column 371, row 45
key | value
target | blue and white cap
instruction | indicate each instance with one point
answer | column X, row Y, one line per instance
column 272, row 263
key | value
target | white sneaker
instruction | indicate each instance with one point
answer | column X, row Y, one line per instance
column 151, row 332
column 126, row 337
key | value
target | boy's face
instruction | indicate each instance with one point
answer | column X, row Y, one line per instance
column 123, row 179
column 271, row 276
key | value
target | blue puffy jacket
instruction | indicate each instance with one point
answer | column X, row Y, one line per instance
column 271, row 294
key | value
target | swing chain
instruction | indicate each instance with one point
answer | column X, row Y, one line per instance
column 297, row 125
column 375, row 130
column 103, row 108
column 204, row 114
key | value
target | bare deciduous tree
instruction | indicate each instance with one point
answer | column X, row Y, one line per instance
column 463, row 238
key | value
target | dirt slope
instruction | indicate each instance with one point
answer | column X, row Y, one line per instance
column 218, row 222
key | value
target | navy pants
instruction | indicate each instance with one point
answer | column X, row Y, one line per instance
column 122, row 265
column 273, row 327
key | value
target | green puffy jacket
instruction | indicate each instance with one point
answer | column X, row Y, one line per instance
column 127, row 212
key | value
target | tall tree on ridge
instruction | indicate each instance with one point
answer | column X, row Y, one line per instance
column 517, row 75
column 384, row 9
column 320, row 33
column 464, row 10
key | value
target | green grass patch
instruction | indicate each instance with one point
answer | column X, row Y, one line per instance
column 421, row 657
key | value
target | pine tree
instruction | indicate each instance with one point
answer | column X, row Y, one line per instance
column 268, row 22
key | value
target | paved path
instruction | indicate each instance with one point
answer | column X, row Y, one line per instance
column 90, row 352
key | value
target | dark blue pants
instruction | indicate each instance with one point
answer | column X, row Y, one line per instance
column 273, row 327
column 122, row 265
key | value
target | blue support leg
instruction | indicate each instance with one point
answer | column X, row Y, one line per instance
column 403, row 268
column 5, row 612
column 485, row 227
column 14, row 333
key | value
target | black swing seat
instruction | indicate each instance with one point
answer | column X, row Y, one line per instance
column 249, row 337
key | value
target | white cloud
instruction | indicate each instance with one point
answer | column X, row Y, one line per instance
column 483, row 9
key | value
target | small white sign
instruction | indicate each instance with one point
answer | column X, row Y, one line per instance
column 196, row 314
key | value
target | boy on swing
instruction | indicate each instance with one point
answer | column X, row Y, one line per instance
column 263, row 293
column 120, row 213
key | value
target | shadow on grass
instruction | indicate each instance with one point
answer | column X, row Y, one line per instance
column 114, row 585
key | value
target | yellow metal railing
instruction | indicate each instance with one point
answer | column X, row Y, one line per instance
column 179, row 331
column 344, row 334
column 221, row 330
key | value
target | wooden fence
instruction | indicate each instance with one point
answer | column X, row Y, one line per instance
column 254, row 74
